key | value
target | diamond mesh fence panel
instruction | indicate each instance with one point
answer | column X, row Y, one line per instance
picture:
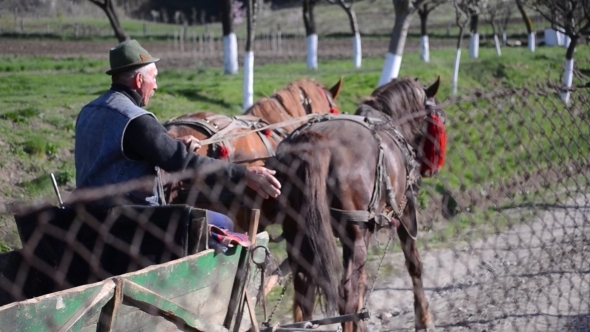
column 501, row 244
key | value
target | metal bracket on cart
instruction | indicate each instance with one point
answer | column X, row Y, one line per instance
column 314, row 324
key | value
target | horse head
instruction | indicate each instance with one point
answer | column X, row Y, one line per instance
column 416, row 113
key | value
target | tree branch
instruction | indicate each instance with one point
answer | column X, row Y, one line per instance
column 99, row 3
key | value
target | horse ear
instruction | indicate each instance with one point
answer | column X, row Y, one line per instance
column 433, row 89
column 335, row 90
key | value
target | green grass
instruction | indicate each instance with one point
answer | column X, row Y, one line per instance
column 41, row 97
column 27, row 64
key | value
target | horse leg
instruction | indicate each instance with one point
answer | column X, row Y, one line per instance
column 304, row 296
column 354, row 279
column 423, row 318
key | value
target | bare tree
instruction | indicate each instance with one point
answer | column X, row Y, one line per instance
column 462, row 16
column 474, row 9
column 496, row 10
column 571, row 17
column 528, row 23
column 404, row 11
column 109, row 9
column 248, row 98
column 505, row 14
column 423, row 12
column 354, row 27
column 230, row 42
column 310, row 33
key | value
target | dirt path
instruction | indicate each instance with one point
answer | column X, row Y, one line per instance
column 532, row 277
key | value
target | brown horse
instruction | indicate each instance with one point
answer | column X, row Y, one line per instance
column 246, row 143
column 346, row 178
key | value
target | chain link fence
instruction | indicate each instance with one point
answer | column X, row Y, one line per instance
column 503, row 237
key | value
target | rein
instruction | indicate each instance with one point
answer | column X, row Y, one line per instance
column 216, row 138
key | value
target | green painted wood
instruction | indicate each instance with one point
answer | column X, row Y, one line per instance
column 200, row 301
column 92, row 306
column 187, row 274
column 200, row 284
column 157, row 305
column 45, row 313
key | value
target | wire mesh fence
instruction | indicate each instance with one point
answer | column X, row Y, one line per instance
column 495, row 241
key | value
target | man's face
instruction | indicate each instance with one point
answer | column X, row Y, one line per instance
column 148, row 85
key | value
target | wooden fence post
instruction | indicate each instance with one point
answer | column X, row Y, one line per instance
column 279, row 40
column 181, row 40
column 194, row 44
column 175, row 41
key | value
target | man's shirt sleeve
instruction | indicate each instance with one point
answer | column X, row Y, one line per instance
column 146, row 139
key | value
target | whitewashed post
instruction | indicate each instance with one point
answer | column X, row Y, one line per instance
column 194, row 38
column 474, row 45
column 567, row 80
column 201, row 48
column 280, row 40
column 181, row 39
column 455, row 80
column 393, row 58
column 357, row 50
column 424, row 48
column 248, row 87
column 497, row 42
column 312, row 51
column 175, row 40
column 230, row 53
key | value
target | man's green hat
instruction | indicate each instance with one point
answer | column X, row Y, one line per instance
column 128, row 55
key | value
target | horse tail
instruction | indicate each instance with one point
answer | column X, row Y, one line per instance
column 308, row 156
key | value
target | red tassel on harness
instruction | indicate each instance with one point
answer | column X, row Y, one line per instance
column 223, row 152
column 267, row 132
column 434, row 146
column 334, row 110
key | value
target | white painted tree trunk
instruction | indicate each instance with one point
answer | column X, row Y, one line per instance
column 393, row 63
column 424, row 49
column 568, row 76
column 357, row 50
column 230, row 54
column 504, row 38
column 455, row 79
column 566, row 41
column 532, row 41
column 397, row 43
column 497, row 41
column 312, row 51
column 474, row 46
column 248, row 80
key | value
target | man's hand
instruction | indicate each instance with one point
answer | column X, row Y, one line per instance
column 262, row 181
column 191, row 142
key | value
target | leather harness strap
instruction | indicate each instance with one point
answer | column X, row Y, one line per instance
column 218, row 126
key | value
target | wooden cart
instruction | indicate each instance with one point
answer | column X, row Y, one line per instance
column 196, row 289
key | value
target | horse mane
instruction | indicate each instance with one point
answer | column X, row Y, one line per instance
column 397, row 99
column 287, row 102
